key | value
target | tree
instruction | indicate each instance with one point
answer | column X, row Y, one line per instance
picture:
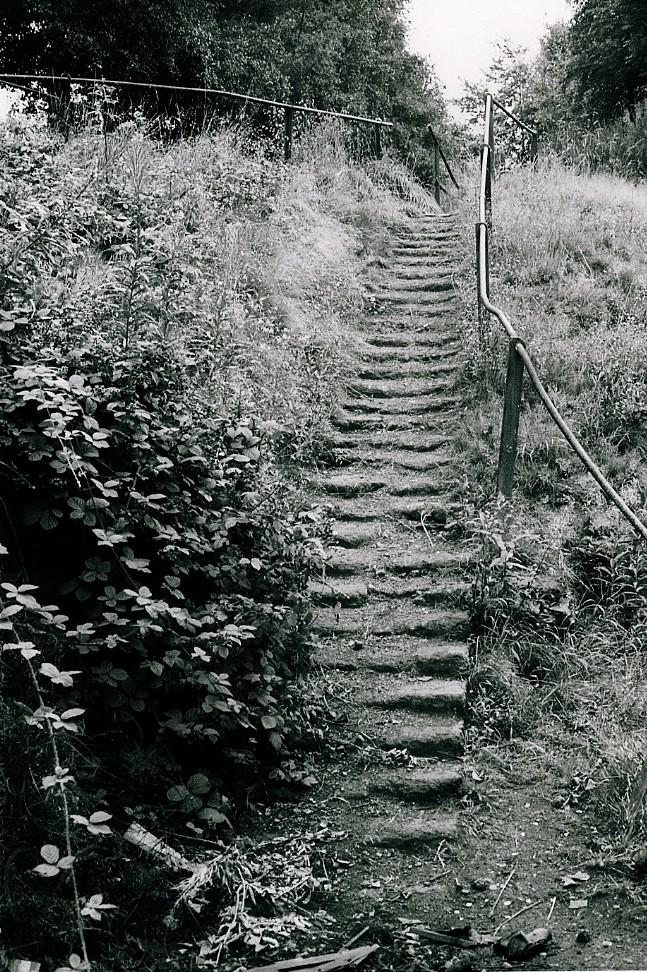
column 107, row 37
column 508, row 79
column 609, row 56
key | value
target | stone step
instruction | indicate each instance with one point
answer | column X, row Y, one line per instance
column 348, row 593
column 430, row 737
column 411, row 832
column 430, row 252
column 440, row 301
column 425, row 656
column 434, row 235
column 383, row 439
column 398, row 370
column 418, row 338
column 448, row 354
column 435, row 423
column 400, row 274
column 431, row 284
column 404, row 406
column 383, row 619
column 435, row 696
column 437, row 512
column 440, row 234
column 426, row 260
column 360, row 560
column 400, row 386
column 426, row 785
column 363, row 483
column 352, row 535
column 422, row 590
column 392, row 459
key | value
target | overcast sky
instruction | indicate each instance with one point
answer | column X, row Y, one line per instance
column 458, row 36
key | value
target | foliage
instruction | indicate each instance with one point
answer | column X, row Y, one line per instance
column 559, row 597
column 172, row 325
column 508, row 80
column 349, row 55
column 609, row 51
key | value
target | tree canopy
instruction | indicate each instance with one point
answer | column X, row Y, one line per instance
column 340, row 54
column 608, row 55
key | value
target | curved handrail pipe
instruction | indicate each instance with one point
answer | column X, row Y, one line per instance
column 519, row 359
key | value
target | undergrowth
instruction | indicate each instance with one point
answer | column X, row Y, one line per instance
column 174, row 324
column 560, row 598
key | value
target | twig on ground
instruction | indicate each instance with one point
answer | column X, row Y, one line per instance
column 552, row 908
column 500, row 894
column 357, row 937
column 516, row 915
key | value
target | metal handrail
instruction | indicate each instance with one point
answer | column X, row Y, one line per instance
column 438, row 155
column 287, row 108
column 519, row 359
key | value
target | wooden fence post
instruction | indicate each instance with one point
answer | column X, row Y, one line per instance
column 378, row 142
column 534, row 147
column 510, row 424
column 289, row 128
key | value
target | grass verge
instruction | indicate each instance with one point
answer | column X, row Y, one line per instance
column 561, row 598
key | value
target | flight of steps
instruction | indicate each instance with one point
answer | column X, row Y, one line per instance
column 393, row 600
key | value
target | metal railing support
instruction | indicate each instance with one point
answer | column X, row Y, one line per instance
column 510, row 422
column 436, row 170
column 377, row 141
column 483, row 315
column 488, row 153
column 289, row 133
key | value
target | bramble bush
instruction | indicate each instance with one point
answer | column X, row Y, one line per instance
column 174, row 325
column 154, row 561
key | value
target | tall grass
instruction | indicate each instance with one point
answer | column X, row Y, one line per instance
column 563, row 614
column 619, row 147
column 252, row 267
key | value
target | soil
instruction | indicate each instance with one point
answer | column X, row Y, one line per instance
column 521, row 846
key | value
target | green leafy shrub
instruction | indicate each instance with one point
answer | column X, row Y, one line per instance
column 182, row 576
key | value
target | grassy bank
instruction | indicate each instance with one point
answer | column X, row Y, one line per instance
column 560, row 660
column 175, row 324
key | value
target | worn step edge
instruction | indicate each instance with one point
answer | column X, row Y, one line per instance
column 382, row 459
column 367, row 439
column 366, row 483
column 399, row 387
column 419, row 786
column 434, row 422
column 410, row 338
column 348, row 593
column 410, row 370
column 362, row 560
column 435, row 696
column 442, row 739
column 415, row 621
column 357, row 509
column 423, row 656
column 404, row 406
column 426, row 830
column 422, row 590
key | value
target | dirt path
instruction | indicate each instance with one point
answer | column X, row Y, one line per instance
column 411, row 831
column 393, row 619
